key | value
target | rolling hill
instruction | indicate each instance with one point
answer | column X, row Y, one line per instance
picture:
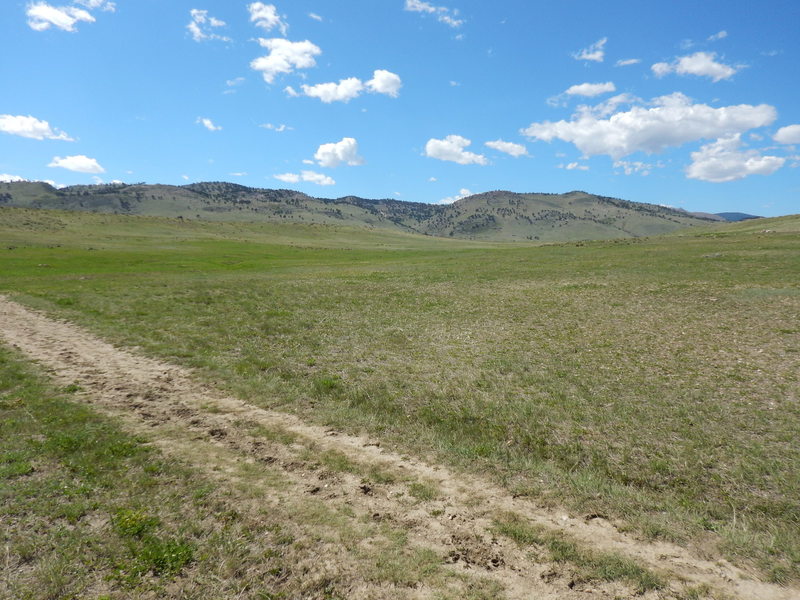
column 497, row 215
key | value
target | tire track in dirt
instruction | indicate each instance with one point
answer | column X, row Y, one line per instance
column 183, row 417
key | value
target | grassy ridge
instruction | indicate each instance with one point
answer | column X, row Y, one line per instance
column 654, row 381
column 490, row 216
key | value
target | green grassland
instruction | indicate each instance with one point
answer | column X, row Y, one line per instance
column 90, row 511
column 87, row 509
column 651, row 380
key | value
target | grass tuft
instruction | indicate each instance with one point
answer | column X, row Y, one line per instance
column 593, row 565
column 424, row 492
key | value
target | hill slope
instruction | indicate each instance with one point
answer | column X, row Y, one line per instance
column 734, row 217
column 497, row 215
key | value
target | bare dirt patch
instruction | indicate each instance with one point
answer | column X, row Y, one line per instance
column 450, row 514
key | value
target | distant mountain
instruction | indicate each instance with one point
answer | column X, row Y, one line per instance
column 497, row 215
column 737, row 216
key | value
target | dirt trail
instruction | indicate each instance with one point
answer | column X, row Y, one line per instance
column 211, row 431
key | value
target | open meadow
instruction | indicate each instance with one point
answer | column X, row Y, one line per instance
column 654, row 382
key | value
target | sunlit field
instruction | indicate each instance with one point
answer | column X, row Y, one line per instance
column 654, row 380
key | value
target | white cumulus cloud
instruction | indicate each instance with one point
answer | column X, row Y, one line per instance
column 718, row 36
column 78, row 163
column 42, row 16
column 661, row 69
column 31, row 127
column 317, row 178
column 788, row 135
column 725, row 160
column 591, row 89
column 462, row 193
column 338, row 153
column 702, row 64
column 595, row 52
column 208, row 124
column 201, row 27
column 344, row 91
column 288, row 177
column 6, row 178
column 385, row 82
column 452, row 148
column 515, row 150
column 626, row 62
column 670, row 121
column 382, row 82
column 443, row 14
column 284, row 57
column 54, row 184
column 266, row 16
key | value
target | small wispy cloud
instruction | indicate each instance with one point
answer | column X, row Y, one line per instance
column 595, row 52
column 208, row 124
column 632, row 167
column 587, row 90
column 201, row 27
column 510, row 148
column 233, row 84
column 277, row 128
column 306, row 176
column 448, row 16
column 574, row 166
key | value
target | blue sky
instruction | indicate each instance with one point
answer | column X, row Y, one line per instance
column 687, row 104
